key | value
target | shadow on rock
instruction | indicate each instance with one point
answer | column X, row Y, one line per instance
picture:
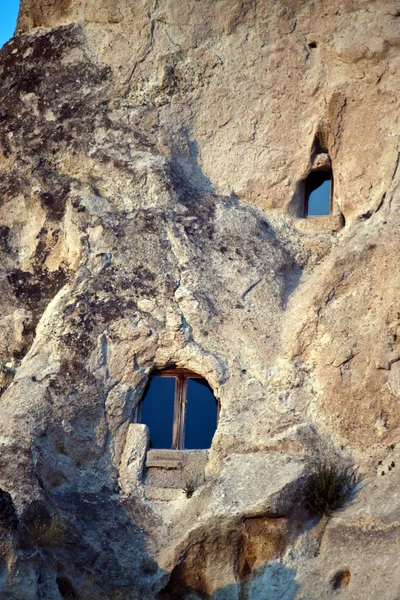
column 271, row 581
column 80, row 546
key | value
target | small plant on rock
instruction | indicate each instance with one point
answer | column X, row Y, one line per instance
column 328, row 488
column 190, row 486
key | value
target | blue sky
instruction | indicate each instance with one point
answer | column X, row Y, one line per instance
column 319, row 202
column 8, row 19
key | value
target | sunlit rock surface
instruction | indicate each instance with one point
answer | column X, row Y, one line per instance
column 152, row 158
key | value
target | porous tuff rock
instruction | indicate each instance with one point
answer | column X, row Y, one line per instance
column 152, row 161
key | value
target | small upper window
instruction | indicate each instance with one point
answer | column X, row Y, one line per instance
column 318, row 194
column 180, row 409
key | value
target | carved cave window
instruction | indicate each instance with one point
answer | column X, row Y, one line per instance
column 180, row 410
column 318, row 193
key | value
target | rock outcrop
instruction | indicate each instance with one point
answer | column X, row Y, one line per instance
column 152, row 164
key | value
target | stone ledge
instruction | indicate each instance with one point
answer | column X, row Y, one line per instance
column 174, row 468
column 174, row 459
column 163, row 464
column 318, row 224
column 164, row 459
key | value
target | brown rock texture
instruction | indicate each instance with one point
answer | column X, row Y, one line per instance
column 153, row 156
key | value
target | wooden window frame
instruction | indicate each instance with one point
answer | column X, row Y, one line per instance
column 181, row 376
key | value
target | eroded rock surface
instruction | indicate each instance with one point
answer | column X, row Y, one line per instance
column 152, row 161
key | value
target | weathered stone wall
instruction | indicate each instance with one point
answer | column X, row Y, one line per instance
column 152, row 157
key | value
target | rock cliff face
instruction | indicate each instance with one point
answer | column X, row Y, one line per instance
column 152, row 164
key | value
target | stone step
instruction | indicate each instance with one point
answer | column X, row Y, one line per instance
column 165, row 478
column 164, row 464
column 156, row 463
column 164, row 459
column 174, row 468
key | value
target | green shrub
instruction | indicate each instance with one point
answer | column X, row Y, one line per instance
column 192, row 482
column 328, row 488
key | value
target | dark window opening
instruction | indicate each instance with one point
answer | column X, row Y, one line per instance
column 319, row 146
column 180, row 410
column 318, row 193
column 158, row 411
